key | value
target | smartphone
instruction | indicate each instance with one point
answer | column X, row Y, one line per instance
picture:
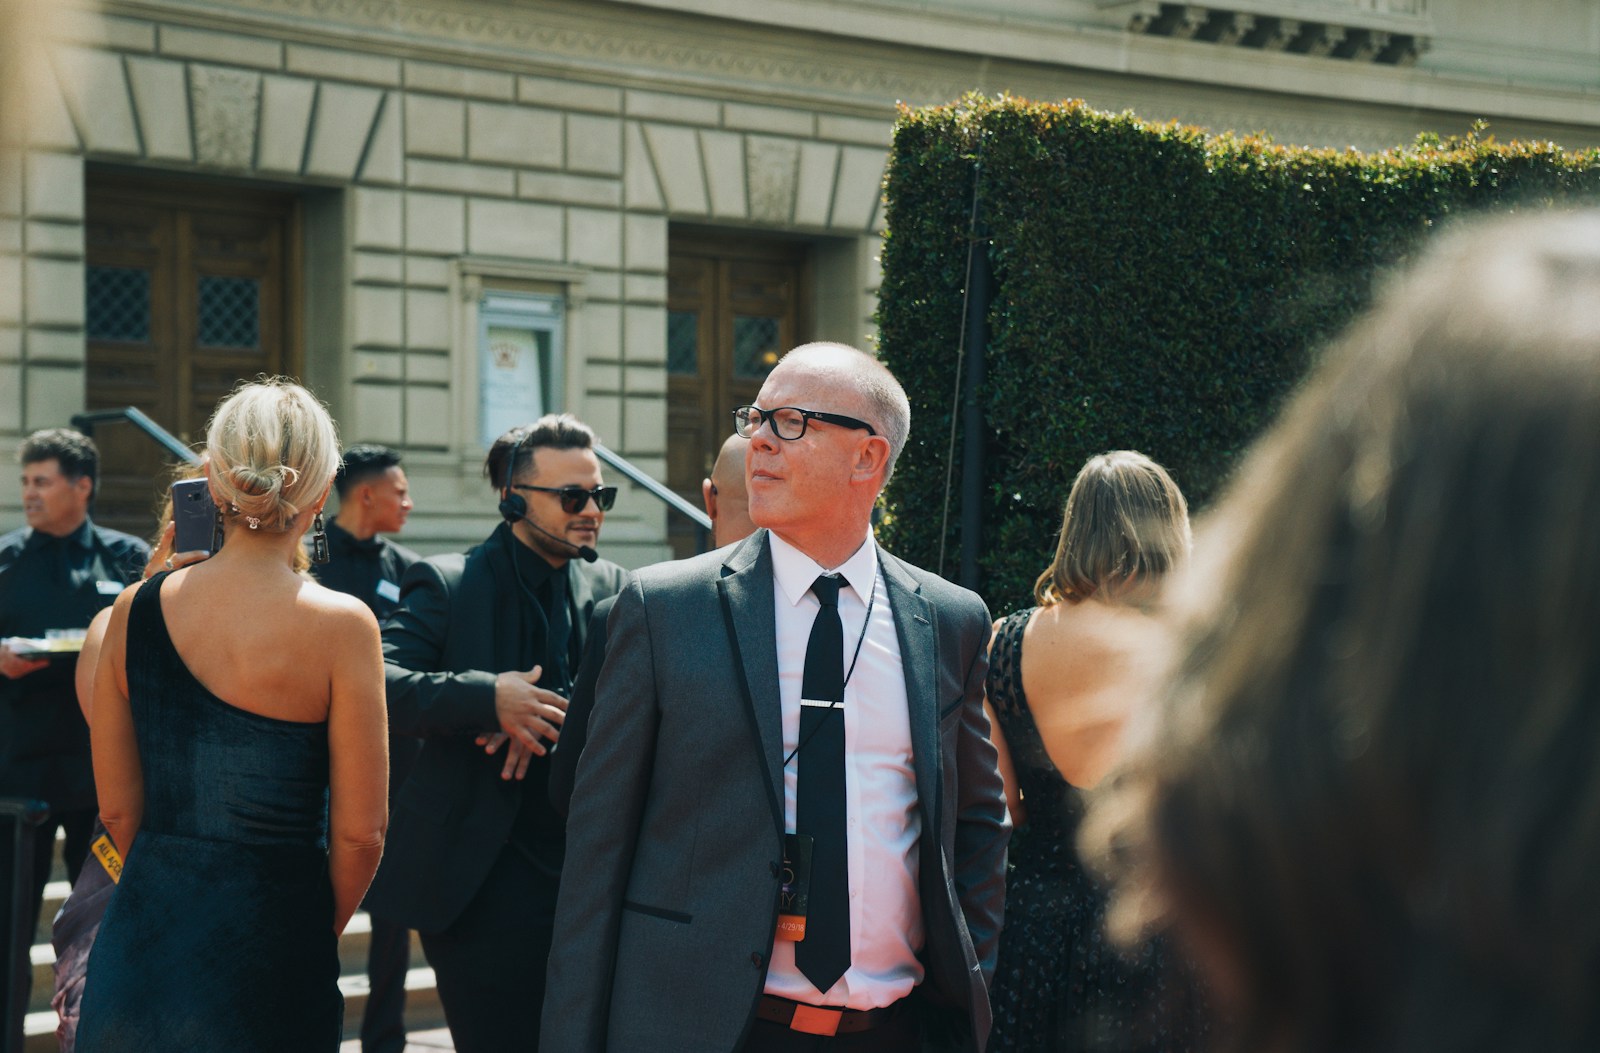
column 195, row 515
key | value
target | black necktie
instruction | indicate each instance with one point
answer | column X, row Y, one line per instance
column 824, row 954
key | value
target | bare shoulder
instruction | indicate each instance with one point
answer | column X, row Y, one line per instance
column 1091, row 626
column 1077, row 650
column 119, row 609
column 335, row 611
column 108, row 631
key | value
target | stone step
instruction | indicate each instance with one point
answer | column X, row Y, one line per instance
column 424, row 1015
column 55, row 894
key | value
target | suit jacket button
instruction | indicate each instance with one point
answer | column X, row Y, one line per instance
column 774, row 868
column 757, row 959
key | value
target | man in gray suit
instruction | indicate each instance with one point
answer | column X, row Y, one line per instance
column 787, row 822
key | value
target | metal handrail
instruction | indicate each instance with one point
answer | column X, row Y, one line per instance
column 640, row 478
column 85, row 423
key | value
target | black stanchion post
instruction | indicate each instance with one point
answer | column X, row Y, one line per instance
column 978, row 297
column 19, row 817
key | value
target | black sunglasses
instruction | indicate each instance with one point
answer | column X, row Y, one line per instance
column 575, row 499
column 789, row 422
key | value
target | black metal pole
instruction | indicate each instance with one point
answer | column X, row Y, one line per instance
column 978, row 297
column 18, row 819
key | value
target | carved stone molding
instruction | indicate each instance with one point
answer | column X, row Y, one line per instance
column 1339, row 35
column 560, row 39
column 590, row 42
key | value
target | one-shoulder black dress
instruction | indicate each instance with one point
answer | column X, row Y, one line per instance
column 1060, row 985
column 220, row 934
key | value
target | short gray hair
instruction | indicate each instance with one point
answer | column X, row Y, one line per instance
column 886, row 407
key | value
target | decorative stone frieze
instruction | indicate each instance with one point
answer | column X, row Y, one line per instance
column 1390, row 32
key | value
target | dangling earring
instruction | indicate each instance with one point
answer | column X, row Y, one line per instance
column 216, row 533
column 319, row 541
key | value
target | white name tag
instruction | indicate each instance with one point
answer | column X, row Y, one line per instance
column 109, row 588
column 389, row 591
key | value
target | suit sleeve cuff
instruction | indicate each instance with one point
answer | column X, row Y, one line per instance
column 479, row 700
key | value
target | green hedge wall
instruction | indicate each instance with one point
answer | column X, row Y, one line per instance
column 1155, row 288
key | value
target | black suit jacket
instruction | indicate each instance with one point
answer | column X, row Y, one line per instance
column 575, row 730
column 455, row 630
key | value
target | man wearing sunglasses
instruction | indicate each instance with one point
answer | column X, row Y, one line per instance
column 479, row 660
column 787, row 830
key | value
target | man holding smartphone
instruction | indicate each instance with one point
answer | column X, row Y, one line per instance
column 482, row 647
column 55, row 573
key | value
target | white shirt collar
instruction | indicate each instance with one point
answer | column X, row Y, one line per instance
column 794, row 571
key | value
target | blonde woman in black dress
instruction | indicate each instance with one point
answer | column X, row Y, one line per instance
column 240, row 757
column 1064, row 677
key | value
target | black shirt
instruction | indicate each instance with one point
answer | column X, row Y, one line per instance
column 539, row 833
column 369, row 570
column 47, row 583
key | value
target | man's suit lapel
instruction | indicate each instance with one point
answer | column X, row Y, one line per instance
column 919, row 654
column 746, row 593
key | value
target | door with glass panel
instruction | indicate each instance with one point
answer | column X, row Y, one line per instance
column 188, row 289
column 734, row 306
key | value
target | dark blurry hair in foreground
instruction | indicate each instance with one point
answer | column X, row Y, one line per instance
column 1125, row 526
column 1369, row 796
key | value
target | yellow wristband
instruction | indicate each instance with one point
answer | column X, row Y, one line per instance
column 106, row 852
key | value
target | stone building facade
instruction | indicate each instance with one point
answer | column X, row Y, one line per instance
column 444, row 214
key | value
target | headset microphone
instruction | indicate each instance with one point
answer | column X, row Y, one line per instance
column 585, row 553
column 513, row 507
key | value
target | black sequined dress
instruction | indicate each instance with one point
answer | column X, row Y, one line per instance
column 1060, row 984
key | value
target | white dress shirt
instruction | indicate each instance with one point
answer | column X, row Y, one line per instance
column 883, row 823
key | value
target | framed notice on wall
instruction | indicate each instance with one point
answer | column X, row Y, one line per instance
column 519, row 360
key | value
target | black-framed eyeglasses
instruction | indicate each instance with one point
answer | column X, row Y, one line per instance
column 574, row 499
column 789, row 422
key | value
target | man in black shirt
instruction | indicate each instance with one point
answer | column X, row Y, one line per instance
column 55, row 573
column 375, row 499
column 483, row 646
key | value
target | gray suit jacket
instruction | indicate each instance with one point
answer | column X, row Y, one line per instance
column 669, row 898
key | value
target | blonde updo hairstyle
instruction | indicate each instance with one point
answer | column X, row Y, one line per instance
column 273, row 452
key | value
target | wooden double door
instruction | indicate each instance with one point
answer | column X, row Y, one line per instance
column 734, row 306
column 189, row 288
